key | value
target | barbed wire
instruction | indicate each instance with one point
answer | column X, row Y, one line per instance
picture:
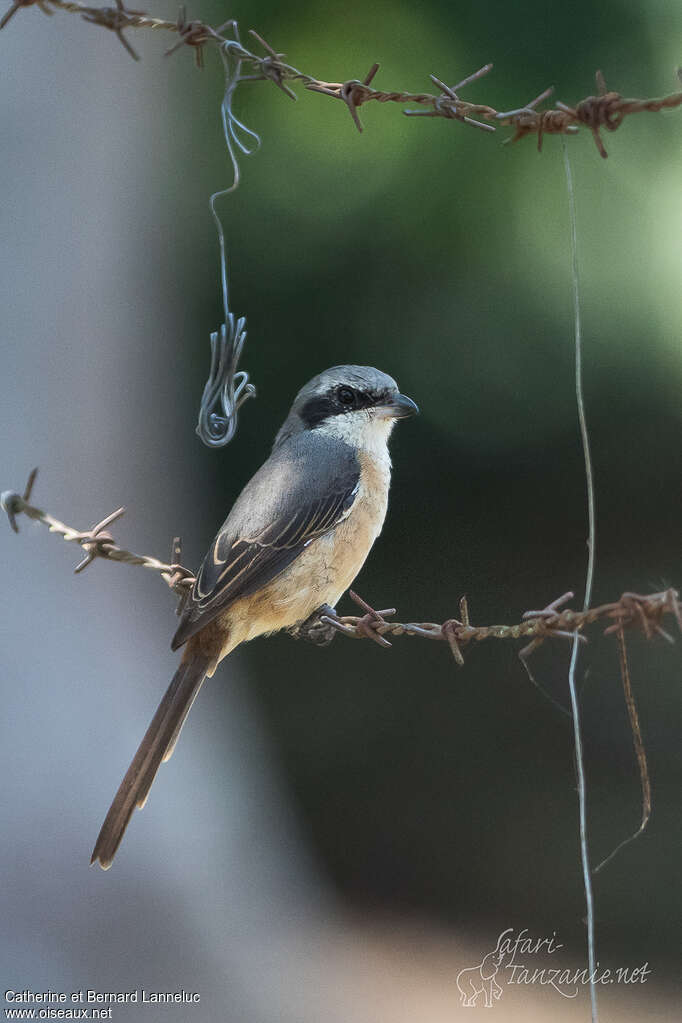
column 97, row 542
column 555, row 621
column 604, row 111
column 227, row 387
column 552, row 622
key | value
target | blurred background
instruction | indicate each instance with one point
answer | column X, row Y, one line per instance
column 340, row 831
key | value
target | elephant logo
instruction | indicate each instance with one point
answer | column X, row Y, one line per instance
column 477, row 980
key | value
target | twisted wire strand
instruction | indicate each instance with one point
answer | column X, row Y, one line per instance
column 227, row 387
column 98, row 15
column 605, row 111
column 96, row 541
column 643, row 610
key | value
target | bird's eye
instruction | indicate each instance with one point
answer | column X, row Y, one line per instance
column 346, row 396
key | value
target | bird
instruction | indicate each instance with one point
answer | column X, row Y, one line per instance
column 292, row 544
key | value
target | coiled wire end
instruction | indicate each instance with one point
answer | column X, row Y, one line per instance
column 227, row 388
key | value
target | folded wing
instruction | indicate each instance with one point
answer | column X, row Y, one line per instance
column 306, row 487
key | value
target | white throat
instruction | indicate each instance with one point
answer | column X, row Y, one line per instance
column 363, row 430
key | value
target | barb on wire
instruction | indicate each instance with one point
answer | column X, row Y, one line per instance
column 271, row 67
column 442, row 106
column 605, row 111
column 353, row 92
column 96, row 541
column 553, row 622
column 116, row 19
column 192, row 33
column 17, row 4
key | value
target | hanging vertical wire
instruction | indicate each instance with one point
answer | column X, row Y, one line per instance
column 227, row 388
column 591, row 546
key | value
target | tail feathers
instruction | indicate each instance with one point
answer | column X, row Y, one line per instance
column 178, row 728
column 157, row 746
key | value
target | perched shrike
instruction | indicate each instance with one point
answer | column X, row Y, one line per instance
column 296, row 537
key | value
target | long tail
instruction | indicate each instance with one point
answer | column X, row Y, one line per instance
column 156, row 747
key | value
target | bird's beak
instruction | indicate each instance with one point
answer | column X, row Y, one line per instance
column 398, row 407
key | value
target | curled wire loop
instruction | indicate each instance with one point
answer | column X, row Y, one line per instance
column 226, row 387
column 236, row 132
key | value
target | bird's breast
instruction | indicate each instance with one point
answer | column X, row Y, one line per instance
column 327, row 567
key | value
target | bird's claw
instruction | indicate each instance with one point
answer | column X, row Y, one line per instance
column 315, row 629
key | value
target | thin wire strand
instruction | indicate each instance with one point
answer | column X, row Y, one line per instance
column 539, row 686
column 231, row 128
column 603, row 112
column 227, row 387
column 589, row 581
column 640, row 752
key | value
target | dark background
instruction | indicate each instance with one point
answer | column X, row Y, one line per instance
column 399, row 783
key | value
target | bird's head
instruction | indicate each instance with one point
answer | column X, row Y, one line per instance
column 357, row 404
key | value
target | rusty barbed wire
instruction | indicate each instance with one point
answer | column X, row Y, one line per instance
column 552, row 622
column 605, row 111
column 555, row 621
column 97, row 542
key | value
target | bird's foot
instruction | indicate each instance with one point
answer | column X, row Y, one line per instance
column 314, row 630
